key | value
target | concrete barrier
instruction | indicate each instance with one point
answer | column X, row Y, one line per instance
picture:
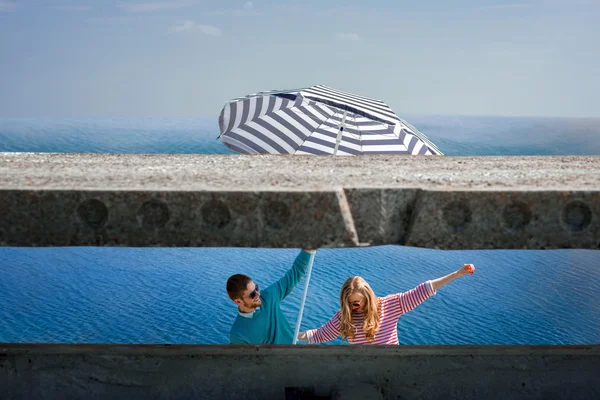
column 300, row 201
column 278, row 201
column 294, row 372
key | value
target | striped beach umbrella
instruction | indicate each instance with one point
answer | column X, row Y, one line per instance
column 317, row 120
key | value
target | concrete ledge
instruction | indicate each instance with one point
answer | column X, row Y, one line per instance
column 266, row 372
column 299, row 201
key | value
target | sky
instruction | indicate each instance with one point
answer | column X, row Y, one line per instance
column 186, row 58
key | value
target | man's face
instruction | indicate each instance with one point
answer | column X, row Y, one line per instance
column 250, row 296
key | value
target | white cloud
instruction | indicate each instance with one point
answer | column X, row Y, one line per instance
column 189, row 26
column 186, row 26
column 248, row 5
column 348, row 36
column 155, row 6
column 7, row 6
column 209, row 30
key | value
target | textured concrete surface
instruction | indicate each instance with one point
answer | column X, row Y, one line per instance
column 287, row 372
column 299, row 201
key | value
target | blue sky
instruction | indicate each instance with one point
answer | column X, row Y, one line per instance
column 171, row 58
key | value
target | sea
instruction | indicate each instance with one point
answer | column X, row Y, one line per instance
column 177, row 295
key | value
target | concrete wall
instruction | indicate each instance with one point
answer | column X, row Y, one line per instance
column 255, row 372
column 277, row 201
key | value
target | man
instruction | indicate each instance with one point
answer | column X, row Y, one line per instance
column 260, row 319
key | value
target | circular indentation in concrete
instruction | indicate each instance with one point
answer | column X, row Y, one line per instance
column 457, row 215
column 93, row 212
column 153, row 214
column 516, row 216
column 277, row 214
column 216, row 214
column 577, row 216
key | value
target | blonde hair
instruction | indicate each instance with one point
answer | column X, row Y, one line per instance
column 356, row 284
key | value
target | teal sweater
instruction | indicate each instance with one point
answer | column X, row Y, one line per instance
column 268, row 324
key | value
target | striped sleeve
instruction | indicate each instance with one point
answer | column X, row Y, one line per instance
column 409, row 300
column 327, row 332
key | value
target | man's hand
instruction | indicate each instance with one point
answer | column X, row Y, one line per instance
column 466, row 269
column 302, row 336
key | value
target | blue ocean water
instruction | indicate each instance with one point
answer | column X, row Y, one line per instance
column 166, row 295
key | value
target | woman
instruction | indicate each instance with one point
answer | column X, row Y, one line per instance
column 364, row 318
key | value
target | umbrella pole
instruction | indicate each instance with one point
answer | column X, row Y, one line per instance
column 308, row 271
column 340, row 133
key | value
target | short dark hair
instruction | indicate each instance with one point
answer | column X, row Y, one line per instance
column 236, row 284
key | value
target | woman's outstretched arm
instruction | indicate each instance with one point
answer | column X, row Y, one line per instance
column 464, row 270
column 409, row 300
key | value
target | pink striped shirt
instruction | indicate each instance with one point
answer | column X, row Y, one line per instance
column 392, row 307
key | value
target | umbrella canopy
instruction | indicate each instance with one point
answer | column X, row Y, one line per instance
column 317, row 120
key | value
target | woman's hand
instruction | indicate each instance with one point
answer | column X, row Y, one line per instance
column 466, row 269
column 302, row 336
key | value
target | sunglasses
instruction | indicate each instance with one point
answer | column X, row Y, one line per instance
column 253, row 293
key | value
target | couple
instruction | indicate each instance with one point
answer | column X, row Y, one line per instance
column 363, row 318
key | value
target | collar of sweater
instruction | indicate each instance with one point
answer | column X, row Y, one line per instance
column 248, row 314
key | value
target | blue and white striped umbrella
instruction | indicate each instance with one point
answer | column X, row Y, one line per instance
column 317, row 120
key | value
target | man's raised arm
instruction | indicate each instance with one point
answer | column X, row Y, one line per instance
column 285, row 285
